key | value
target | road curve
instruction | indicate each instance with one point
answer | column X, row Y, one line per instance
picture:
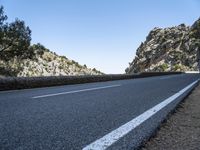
column 80, row 116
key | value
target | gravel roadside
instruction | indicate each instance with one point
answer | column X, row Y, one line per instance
column 181, row 131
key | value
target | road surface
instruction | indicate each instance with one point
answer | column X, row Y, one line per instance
column 113, row 115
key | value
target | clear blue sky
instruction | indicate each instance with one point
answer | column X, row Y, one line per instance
column 99, row 33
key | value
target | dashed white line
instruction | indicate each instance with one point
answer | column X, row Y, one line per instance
column 115, row 135
column 171, row 76
column 168, row 77
column 77, row 91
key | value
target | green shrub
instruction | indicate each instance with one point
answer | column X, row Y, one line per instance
column 164, row 67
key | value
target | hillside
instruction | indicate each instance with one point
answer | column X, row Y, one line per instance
column 44, row 63
column 168, row 49
column 19, row 58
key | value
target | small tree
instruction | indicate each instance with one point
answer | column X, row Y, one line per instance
column 15, row 38
column 39, row 46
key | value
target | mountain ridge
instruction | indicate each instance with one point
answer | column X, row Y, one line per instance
column 168, row 49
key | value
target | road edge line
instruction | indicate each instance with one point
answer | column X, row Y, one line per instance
column 112, row 137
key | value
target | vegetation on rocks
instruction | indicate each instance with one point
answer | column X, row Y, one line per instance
column 21, row 59
column 169, row 49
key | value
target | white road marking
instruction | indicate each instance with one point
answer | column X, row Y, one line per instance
column 115, row 135
column 171, row 76
column 168, row 77
column 192, row 72
column 77, row 91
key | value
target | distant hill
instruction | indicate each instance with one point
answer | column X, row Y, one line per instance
column 21, row 59
column 168, row 49
column 44, row 63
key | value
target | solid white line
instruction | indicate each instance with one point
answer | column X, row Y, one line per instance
column 115, row 135
column 192, row 72
column 77, row 91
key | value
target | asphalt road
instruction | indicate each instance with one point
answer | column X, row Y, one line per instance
column 74, row 116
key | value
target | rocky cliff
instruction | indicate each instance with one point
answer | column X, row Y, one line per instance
column 44, row 63
column 168, row 49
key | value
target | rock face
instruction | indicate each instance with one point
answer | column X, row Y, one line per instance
column 45, row 63
column 168, row 49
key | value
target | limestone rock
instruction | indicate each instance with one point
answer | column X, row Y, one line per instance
column 168, row 49
column 45, row 63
